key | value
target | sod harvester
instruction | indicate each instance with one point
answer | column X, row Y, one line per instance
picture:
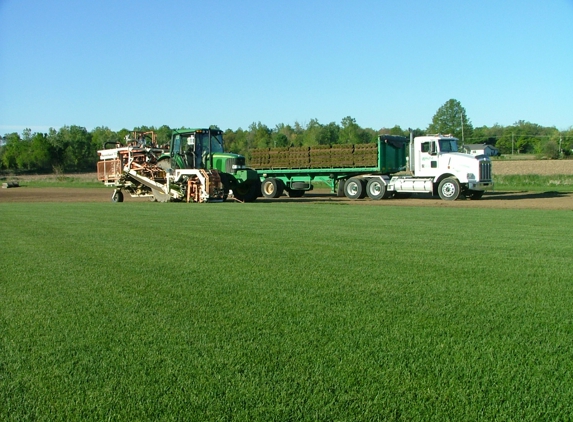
column 192, row 168
column 138, row 168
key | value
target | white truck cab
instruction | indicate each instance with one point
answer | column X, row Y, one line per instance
column 436, row 167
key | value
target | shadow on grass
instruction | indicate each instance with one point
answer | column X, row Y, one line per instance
column 488, row 196
column 513, row 195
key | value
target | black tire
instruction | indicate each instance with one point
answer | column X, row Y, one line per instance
column 295, row 193
column 474, row 195
column 340, row 188
column 272, row 188
column 117, row 196
column 354, row 188
column 376, row 189
column 226, row 185
column 247, row 192
column 449, row 189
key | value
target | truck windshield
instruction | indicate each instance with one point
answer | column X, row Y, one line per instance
column 448, row 145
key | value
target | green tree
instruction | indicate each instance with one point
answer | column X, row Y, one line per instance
column 396, row 130
column 312, row 132
column 102, row 134
column 259, row 136
column 72, row 149
column 41, row 152
column 236, row 141
column 352, row 133
column 163, row 135
column 278, row 139
column 450, row 119
column 486, row 135
column 12, row 150
column 525, row 138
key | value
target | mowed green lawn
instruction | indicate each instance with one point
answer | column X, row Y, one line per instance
column 284, row 311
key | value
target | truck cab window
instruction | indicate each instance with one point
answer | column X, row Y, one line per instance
column 448, row 145
column 425, row 147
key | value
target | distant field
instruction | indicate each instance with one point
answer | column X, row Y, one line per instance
column 284, row 311
column 538, row 167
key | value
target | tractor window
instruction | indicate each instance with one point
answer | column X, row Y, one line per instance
column 216, row 143
column 177, row 144
column 425, row 147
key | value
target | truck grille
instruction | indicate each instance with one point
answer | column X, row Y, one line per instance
column 484, row 170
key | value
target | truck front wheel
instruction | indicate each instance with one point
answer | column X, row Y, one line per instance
column 354, row 188
column 449, row 189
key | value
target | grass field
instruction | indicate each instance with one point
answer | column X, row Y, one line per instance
column 534, row 182
column 284, row 311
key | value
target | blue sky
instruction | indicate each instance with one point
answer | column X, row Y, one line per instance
column 122, row 64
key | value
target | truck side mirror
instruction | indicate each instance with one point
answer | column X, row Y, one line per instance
column 433, row 150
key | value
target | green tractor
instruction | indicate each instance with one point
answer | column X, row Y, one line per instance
column 203, row 149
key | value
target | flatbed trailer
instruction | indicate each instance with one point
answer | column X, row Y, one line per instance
column 392, row 166
column 296, row 169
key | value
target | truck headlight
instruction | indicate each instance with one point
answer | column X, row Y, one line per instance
column 471, row 176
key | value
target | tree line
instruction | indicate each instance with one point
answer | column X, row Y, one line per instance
column 74, row 149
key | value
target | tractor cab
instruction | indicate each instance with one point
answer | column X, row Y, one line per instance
column 194, row 148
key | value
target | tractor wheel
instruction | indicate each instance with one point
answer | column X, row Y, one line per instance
column 225, row 183
column 354, row 188
column 449, row 189
column 272, row 188
column 247, row 192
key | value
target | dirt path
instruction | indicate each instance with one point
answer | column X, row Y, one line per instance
column 510, row 200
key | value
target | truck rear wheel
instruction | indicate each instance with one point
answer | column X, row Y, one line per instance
column 449, row 189
column 272, row 188
column 376, row 189
column 354, row 188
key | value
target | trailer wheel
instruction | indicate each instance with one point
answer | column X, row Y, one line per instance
column 117, row 196
column 449, row 189
column 295, row 193
column 354, row 188
column 376, row 189
column 474, row 194
column 340, row 189
column 272, row 188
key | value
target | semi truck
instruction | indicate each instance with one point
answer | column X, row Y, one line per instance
column 192, row 168
column 394, row 166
